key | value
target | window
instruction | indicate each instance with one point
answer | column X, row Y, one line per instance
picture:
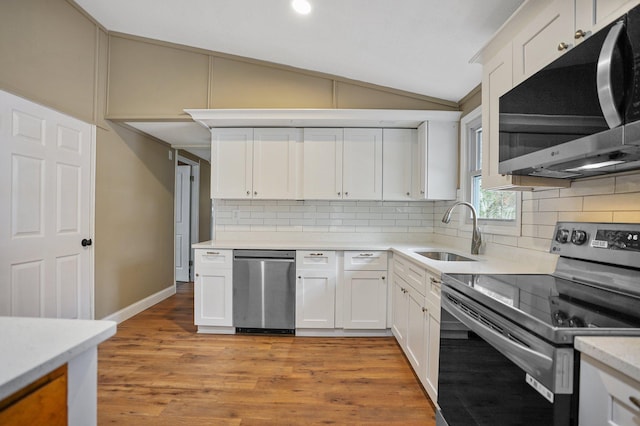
column 498, row 211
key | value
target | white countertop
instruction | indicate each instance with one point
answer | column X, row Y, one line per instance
column 620, row 353
column 483, row 264
column 33, row 347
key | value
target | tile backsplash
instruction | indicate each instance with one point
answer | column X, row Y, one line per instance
column 323, row 216
column 607, row 199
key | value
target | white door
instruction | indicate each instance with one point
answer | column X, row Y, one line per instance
column 315, row 299
column 365, row 299
column 397, row 156
column 183, row 220
column 46, row 212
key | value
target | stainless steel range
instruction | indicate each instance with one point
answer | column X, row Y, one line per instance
column 518, row 365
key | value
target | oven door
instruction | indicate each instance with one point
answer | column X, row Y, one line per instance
column 496, row 375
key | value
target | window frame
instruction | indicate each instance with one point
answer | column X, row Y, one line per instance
column 470, row 123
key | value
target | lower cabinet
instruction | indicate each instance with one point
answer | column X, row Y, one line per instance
column 416, row 321
column 607, row 396
column 315, row 289
column 213, row 289
column 365, row 290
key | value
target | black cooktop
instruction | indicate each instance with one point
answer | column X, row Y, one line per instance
column 551, row 306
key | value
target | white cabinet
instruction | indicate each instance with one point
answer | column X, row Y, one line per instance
column 213, row 295
column 399, row 146
column 231, row 163
column 607, row 397
column 274, row 163
column 416, row 320
column 435, row 168
column 365, row 290
column 322, row 167
column 342, row 164
column 544, row 39
column 362, row 164
column 254, row 163
column 315, row 289
column 592, row 15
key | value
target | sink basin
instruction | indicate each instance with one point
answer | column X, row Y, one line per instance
column 444, row 256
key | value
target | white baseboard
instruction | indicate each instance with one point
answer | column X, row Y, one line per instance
column 340, row 332
column 134, row 309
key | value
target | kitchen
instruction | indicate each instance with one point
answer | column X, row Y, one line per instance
column 124, row 156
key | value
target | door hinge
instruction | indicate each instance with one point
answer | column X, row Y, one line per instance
column 192, row 178
column 191, row 263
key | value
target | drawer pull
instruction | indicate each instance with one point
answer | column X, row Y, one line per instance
column 366, row 254
column 383, row 277
column 434, row 281
column 424, row 309
column 316, row 254
column 215, row 253
column 635, row 401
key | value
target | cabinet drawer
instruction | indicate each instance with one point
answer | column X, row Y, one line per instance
column 214, row 258
column 365, row 260
column 433, row 285
column 413, row 274
column 315, row 259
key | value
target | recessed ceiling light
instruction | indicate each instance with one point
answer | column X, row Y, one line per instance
column 303, row 7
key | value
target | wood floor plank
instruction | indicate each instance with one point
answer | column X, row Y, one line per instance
column 158, row 371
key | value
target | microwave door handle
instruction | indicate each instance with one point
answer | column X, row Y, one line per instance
column 603, row 77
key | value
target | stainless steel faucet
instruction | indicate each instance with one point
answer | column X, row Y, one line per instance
column 476, row 238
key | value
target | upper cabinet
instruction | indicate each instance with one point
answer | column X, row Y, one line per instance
column 398, row 149
column 323, row 163
column 362, row 164
column 436, row 163
column 528, row 42
column 254, row 163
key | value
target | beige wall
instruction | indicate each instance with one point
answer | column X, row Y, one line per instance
column 471, row 101
column 134, row 218
column 54, row 55
column 153, row 79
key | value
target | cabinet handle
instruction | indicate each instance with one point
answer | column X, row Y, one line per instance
column 366, row 254
column 635, row 401
column 248, row 192
column 338, row 194
column 383, row 277
column 579, row 34
column 346, row 194
column 434, row 281
column 562, row 46
column 213, row 252
column 316, row 254
column 197, row 275
column 408, row 193
column 299, row 277
column 424, row 309
column 422, row 191
column 255, row 192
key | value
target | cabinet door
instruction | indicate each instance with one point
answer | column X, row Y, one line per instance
column 399, row 317
column 438, row 160
column 274, row 163
column 544, row 39
column 231, row 163
column 213, row 297
column 592, row 15
column 315, row 299
column 365, row 299
column 432, row 339
column 416, row 345
column 322, row 164
column 397, row 163
column 362, row 164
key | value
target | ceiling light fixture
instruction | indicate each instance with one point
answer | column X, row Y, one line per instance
column 303, row 7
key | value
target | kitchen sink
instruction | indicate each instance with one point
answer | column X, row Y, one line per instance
column 444, row 256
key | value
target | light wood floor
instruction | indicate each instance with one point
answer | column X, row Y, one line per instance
column 157, row 371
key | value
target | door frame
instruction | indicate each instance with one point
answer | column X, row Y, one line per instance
column 194, row 211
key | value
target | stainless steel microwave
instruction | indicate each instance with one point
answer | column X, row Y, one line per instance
column 580, row 115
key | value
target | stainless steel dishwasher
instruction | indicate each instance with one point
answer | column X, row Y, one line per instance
column 264, row 291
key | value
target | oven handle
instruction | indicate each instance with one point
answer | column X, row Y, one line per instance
column 527, row 359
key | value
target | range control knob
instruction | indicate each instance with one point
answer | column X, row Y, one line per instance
column 578, row 237
column 575, row 322
column 559, row 318
column 562, row 235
